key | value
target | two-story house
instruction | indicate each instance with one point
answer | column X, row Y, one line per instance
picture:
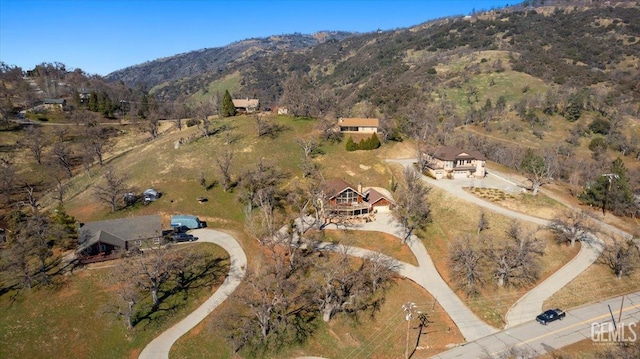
column 452, row 162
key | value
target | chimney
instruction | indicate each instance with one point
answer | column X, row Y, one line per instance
column 360, row 187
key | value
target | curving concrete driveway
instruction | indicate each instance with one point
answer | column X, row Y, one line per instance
column 426, row 275
column 160, row 346
column 529, row 305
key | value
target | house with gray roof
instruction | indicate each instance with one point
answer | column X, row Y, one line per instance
column 103, row 238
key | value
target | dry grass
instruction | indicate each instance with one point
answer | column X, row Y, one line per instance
column 586, row 348
column 541, row 206
column 375, row 241
column 453, row 217
column 383, row 336
column 597, row 282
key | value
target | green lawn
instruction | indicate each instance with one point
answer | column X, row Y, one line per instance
column 74, row 319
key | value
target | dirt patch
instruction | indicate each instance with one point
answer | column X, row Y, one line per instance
column 135, row 353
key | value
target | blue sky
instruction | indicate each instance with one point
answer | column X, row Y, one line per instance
column 101, row 36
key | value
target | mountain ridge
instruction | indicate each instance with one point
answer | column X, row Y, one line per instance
column 197, row 62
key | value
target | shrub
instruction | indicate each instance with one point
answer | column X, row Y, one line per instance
column 192, row 122
column 573, row 112
column 600, row 126
column 597, row 144
column 370, row 143
column 351, row 146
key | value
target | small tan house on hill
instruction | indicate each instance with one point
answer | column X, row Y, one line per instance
column 358, row 125
column 54, row 103
column 247, row 105
column 452, row 162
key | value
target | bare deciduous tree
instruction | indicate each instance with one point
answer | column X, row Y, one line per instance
column 97, row 143
column 516, row 262
column 343, row 287
column 224, row 161
column 465, row 259
column 538, row 169
column 261, row 186
column 151, row 125
column 127, row 292
column 483, row 222
column 308, row 145
column 38, row 230
column 112, row 190
column 30, row 198
column 153, row 268
column 62, row 154
column 572, row 226
column 296, row 95
column 8, row 178
column 621, row 255
column 328, row 128
column 35, row 143
column 56, row 173
column 412, row 209
column 19, row 265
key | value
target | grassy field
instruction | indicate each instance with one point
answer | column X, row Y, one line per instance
column 73, row 319
column 453, row 217
column 175, row 172
column 383, row 336
column 598, row 281
column 375, row 241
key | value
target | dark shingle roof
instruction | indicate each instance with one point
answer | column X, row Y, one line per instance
column 450, row 153
column 118, row 231
column 54, row 101
column 375, row 196
column 334, row 187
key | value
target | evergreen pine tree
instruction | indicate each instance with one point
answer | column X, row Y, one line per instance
column 351, row 146
column 374, row 142
column 228, row 109
column 616, row 196
column 93, row 102
column 76, row 98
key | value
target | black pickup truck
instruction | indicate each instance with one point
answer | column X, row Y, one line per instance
column 550, row 316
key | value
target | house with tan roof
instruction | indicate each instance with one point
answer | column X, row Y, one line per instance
column 358, row 125
column 246, row 104
column 452, row 162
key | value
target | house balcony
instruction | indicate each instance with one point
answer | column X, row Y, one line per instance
column 353, row 209
column 471, row 168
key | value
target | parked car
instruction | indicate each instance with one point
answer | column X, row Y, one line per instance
column 184, row 237
column 550, row 315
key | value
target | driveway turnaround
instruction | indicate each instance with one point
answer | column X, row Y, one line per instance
column 529, row 305
column 593, row 321
column 160, row 346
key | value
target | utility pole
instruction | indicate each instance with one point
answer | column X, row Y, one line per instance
column 408, row 310
column 621, row 305
column 610, row 177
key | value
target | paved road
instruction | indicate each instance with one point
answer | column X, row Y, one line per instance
column 586, row 322
column 529, row 305
column 160, row 346
column 426, row 275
